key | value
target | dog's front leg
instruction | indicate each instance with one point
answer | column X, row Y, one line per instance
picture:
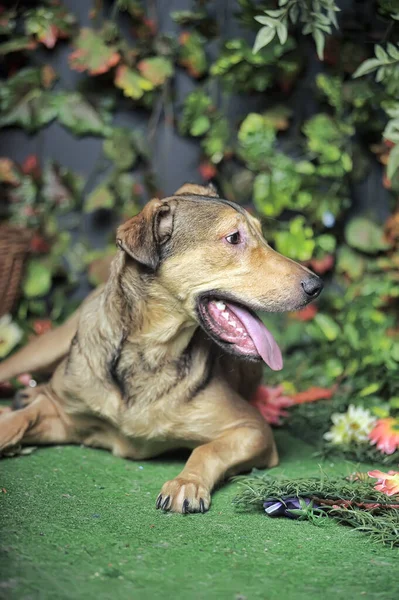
column 237, row 450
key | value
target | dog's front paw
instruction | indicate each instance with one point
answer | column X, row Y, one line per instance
column 184, row 495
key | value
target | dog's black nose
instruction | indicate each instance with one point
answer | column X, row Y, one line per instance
column 312, row 286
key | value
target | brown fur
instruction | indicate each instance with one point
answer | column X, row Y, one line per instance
column 137, row 375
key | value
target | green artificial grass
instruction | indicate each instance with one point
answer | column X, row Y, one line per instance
column 79, row 523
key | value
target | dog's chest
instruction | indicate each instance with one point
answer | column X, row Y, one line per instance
column 153, row 390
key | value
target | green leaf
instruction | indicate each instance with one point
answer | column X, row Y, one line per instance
column 216, row 140
column 256, row 139
column 200, row 125
column 100, row 198
column 368, row 66
column 240, row 70
column 192, row 53
column 24, row 102
column 394, row 402
column 133, row 7
column 156, row 69
column 132, row 83
column 78, row 115
column 264, row 37
column 350, row 262
column 381, row 54
column 16, row 45
column 196, row 105
column 49, row 23
column 395, row 351
column 319, row 41
column 128, row 192
column 277, row 190
column 267, row 20
column 366, row 236
column 282, row 33
column 92, row 53
column 369, row 390
column 60, row 187
column 328, row 326
column 298, row 242
column 37, row 280
column 32, row 112
column 393, row 51
column 188, row 17
column 119, row 148
column 393, row 162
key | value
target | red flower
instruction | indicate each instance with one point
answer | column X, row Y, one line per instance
column 322, row 265
column 39, row 245
column 385, row 435
column 388, row 483
column 138, row 189
column 306, row 314
column 30, row 166
column 41, row 326
column 207, row 170
column 25, row 378
column 312, row 395
column 271, row 403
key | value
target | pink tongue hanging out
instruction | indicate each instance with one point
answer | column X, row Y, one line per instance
column 263, row 340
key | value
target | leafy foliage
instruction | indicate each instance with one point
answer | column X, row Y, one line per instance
column 317, row 18
column 350, row 501
column 298, row 167
column 92, row 53
column 132, row 83
column 49, row 23
column 191, row 54
column 24, row 101
column 239, row 69
column 156, row 69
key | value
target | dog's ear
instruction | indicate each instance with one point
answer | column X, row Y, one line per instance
column 142, row 236
column 197, row 190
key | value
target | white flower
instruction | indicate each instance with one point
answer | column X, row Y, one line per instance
column 352, row 426
column 10, row 335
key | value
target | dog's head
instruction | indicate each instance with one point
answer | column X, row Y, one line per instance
column 210, row 254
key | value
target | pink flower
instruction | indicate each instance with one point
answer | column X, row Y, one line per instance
column 271, row 403
column 25, row 378
column 388, row 483
column 386, row 435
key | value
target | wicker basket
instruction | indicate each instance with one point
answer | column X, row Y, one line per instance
column 14, row 247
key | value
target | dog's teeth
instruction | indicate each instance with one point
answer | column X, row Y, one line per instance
column 234, row 324
column 220, row 305
column 225, row 315
column 240, row 330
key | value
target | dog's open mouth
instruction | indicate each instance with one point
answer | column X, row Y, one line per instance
column 239, row 330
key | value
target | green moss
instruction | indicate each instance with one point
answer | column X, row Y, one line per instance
column 79, row 523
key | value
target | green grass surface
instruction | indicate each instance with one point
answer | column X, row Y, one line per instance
column 79, row 523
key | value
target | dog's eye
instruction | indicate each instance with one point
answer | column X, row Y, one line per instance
column 234, row 238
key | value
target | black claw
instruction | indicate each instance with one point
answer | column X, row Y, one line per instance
column 202, row 505
column 166, row 502
column 159, row 500
column 17, row 403
column 185, row 507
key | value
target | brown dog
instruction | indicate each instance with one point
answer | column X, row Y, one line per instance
column 150, row 362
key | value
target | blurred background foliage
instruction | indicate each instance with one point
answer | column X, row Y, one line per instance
column 299, row 165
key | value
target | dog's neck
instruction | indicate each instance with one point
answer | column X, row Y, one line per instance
column 145, row 313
